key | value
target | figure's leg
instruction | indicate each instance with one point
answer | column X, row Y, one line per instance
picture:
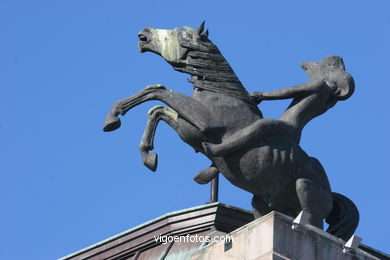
column 155, row 114
column 314, row 200
column 259, row 207
column 206, row 175
column 188, row 108
column 260, row 129
column 291, row 123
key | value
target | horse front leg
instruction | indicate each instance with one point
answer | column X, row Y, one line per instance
column 170, row 116
column 112, row 122
column 188, row 108
column 155, row 114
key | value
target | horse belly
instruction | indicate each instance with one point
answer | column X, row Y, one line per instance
column 267, row 169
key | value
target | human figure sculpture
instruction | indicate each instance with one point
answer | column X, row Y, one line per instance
column 223, row 116
column 330, row 83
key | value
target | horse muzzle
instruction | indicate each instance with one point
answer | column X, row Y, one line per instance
column 145, row 42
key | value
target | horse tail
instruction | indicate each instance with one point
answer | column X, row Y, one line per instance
column 344, row 217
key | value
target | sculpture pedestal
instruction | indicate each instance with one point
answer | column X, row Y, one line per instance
column 272, row 237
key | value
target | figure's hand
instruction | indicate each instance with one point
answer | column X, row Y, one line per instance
column 337, row 93
column 331, row 80
column 335, row 90
column 257, row 97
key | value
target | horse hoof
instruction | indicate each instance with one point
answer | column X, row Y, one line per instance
column 150, row 161
column 206, row 175
column 199, row 180
column 112, row 123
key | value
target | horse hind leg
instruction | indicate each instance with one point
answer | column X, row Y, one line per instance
column 155, row 114
column 259, row 207
column 314, row 200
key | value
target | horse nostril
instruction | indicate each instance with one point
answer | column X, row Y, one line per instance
column 142, row 37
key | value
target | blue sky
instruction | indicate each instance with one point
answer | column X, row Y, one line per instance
column 66, row 184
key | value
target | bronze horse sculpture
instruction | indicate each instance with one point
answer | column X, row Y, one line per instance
column 222, row 121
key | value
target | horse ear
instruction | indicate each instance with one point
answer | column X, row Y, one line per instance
column 205, row 33
column 201, row 28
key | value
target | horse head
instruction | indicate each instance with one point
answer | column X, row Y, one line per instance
column 173, row 45
column 190, row 51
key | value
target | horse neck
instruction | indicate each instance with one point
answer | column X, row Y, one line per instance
column 233, row 95
column 210, row 71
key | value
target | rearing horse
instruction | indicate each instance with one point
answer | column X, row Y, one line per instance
column 275, row 169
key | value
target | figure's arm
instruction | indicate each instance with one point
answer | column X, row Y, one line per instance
column 290, row 92
column 295, row 91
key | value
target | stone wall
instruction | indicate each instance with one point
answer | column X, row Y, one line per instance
column 272, row 237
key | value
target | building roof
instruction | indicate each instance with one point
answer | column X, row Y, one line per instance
column 139, row 243
column 142, row 242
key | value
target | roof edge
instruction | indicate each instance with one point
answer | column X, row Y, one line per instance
column 215, row 205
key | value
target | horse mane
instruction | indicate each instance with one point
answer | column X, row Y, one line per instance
column 208, row 68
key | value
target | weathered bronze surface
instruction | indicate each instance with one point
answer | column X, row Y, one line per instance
column 222, row 121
